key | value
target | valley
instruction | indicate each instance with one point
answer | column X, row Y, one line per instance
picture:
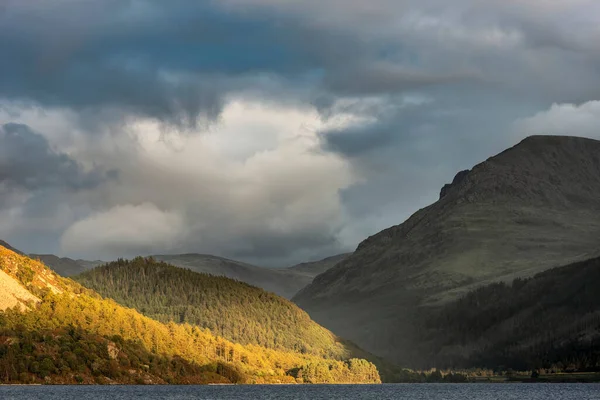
column 499, row 274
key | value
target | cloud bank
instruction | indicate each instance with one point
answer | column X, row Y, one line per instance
column 264, row 130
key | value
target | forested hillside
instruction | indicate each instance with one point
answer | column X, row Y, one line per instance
column 67, row 334
column 549, row 321
column 232, row 309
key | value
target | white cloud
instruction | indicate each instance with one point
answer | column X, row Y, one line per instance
column 128, row 228
column 254, row 184
column 563, row 119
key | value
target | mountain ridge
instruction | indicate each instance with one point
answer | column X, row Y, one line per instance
column 285, row 282
column 531, row 207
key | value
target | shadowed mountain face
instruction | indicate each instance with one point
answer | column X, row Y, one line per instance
column 314, row 268
column 530, row 208
column 549, row 321
column 285, row 282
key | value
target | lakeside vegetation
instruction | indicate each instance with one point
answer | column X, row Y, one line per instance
column 68, row 336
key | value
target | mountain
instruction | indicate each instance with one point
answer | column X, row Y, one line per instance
column 530, row 208
column 60, row 332
column 61, row 265
column 285, row 282
column 234, row 310
column 65, row 266
column 550, row 321
column 314, row 268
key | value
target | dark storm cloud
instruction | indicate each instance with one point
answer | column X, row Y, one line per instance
column 379, row 78
column 173, row 61
column 176, row 61
column 437, row 85
column 28, row 162
column 273, row 245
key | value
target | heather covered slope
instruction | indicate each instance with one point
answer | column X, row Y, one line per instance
column 73, row 335
column 530, row 208
column 234, row 310
column 8, row 246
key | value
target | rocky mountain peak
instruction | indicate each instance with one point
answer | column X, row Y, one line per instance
column 458, row 178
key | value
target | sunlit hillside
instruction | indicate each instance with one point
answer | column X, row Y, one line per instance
column 234, row 310
column 65, row 333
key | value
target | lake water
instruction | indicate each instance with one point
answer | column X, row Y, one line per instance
column 316, row 392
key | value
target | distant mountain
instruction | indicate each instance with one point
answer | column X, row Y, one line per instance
column 314, row 268
column 52, row 330
column 532, row 207
column 65, row 266
column 285, row 282
column 550, row 321
column 61, row 265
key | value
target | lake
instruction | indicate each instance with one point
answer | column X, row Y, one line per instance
column 571, row 391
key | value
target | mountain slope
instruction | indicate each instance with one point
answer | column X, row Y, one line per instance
column 8, row 246
column 530, row 208
column 314, row 268
column 232, row 309
column 74, row 335
column 281, row 281
column 549, row 321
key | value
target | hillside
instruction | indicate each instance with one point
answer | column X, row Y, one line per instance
column 550, row 321
column 532, row 207
column 70, row 334
column 229, row 308
column 314, row 268
column 282, row 281
column 61, row 265
column 8, row 246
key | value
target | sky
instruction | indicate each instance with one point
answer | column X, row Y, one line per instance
column 269, row 131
